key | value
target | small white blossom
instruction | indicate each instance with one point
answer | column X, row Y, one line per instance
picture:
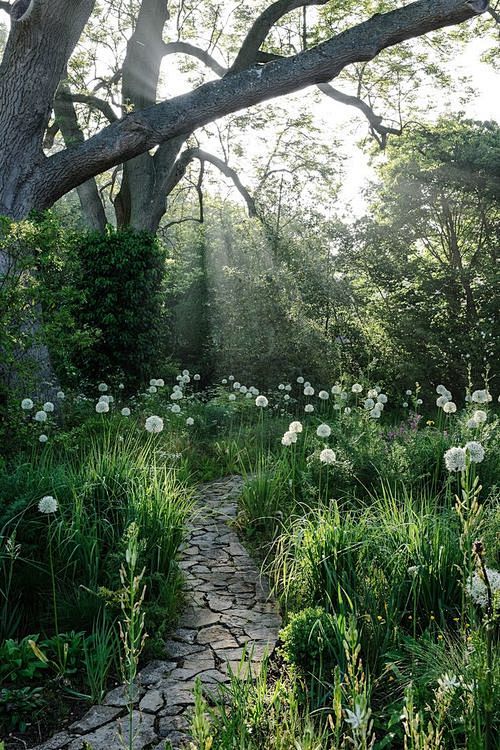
column 125, row 412
column 175, row 409
column 347, row 410
column 454, row 459
column 152, row 389
column 160, row 382
column 308, row 408
column 231, row 377
column 476, row 451
column 481, row 397
column 357, row 388
column 105, row 399
column 295, row 426
column 281, row 387
column 61, row 395
column 261, row 401
column 480, row 416
column 289, row 438
column 224, row 381
column 232, row 396
column 197, row 376
column 43, row 438
column 102, row 387
column 41, row 416
column 408, row 392
column 102, row 407
column 48, row 407
column 236, row 386
column 47, row 504
column 300, row 380
column 308, row 390
column 327, row 456
column 323, row 431
column 441, row 401
column 369, row 404
column 324, row 395
column 336, row 390
column 243, row 389
column 27, row 404
column 449, row 407
column 190, row 421
column 382, row 398
column 154, row 424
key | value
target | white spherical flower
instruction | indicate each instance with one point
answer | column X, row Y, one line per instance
column 347, row 410
column 454, row 459
column 344, row 395
column 27, row 404
column 224, row 381
column 47, row 504
column 186, row 379
column 176, row 395
column 408, row 392
column 125, row 412
column 295, row 427
column 185, row 373
column 357, row 388
column 232, row 396
column 197, row 376
column 152, row 389
column 449, row 407
column 323, row 431
column 231, row 377
column 372, row 393
column 281, row 387
column 154, row 424
column 307, row 384
column 105, row 399
column 41, row 416
column 288, row 387
column 476, row 451
column 441, row 401
column 308, row 390
column 375, row 412
column 261, row 401
column 248, row 394
column 480, row 416
column 153, row 382
column 336, row 390
column 102, row 387
column 179, row 378
column 102, row 407
column 160, row 382
column 441, row 389
column 327, row 456
column 190, row 421
column 405, row 404
column 43, row 438
column 382, row 398
column 324, row 395
column 337, row 407
column 243, row 389
column 236, row 386
column 286, row 397
column 369, row 404
column 61, row 395
column 175, row 409
column 300, row 380
column 419, row 402
column 289, row 438
column 48, row 407
column 121, row 386
column 308, row 408
column 472, row 424
column 481, row 397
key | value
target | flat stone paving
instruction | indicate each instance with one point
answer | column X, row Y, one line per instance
column 229, row 624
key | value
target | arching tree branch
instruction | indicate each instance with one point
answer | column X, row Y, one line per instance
column 94, row 102
column 379, row 131
column 261, row 28
column 185, row 48
column 142, row 130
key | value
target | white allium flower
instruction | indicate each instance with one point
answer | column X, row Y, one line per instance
column 454, row 459
column 160, row 382
column 281, row 387
column 376, row 412
column 476, row 451
column 179, row 378
column 154, row 424
column 372, row 393
column 125, row 412
column 41, row 416
column 121, row 386
column 449, row 407
column 43, row 438
column 336, row 390
column 224, row 381
column 190, row 421
column 286, row 397
column 175, row 409
column 369, row 404
column 231, row 377
column 405, row 404
column 243, row 389
column 324, row 395
column 307, row 384
column 308, row 408
column 289, row 438
column 61, row 395
column 248, row 394
column 300, row 380
column 185, row 373
column 176, row 395
column 102, row 387
column 481, row 397
column 347, row 410
column 152, row 389
column 186, row 379
column 197, row 376
column 105, row 399
column 413, row 570
column 357, row 388
column 27, row 404
column 419, row 402
column 232, row 396
column 476, row 588
column 441, row 401
column 295, row 426
column 327, row 456
column 323, row 431
column 236, row 386
column 337, row 407
column 288, row 387
column 408, row 392
column 102, row 407
column 441, row 389
column 382, row 398
column 261, row 401
column 480, row 416
column 472, row 424
column 48, row 407
column 153, row 382
column 47, row 504
column 344, row 396
column 308, row 390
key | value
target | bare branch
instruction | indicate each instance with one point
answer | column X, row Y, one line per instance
column 378, row 129
column 94, row 102
column 261, row 28
column 185, row 48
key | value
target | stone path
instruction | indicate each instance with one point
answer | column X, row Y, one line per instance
column 228, row 615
